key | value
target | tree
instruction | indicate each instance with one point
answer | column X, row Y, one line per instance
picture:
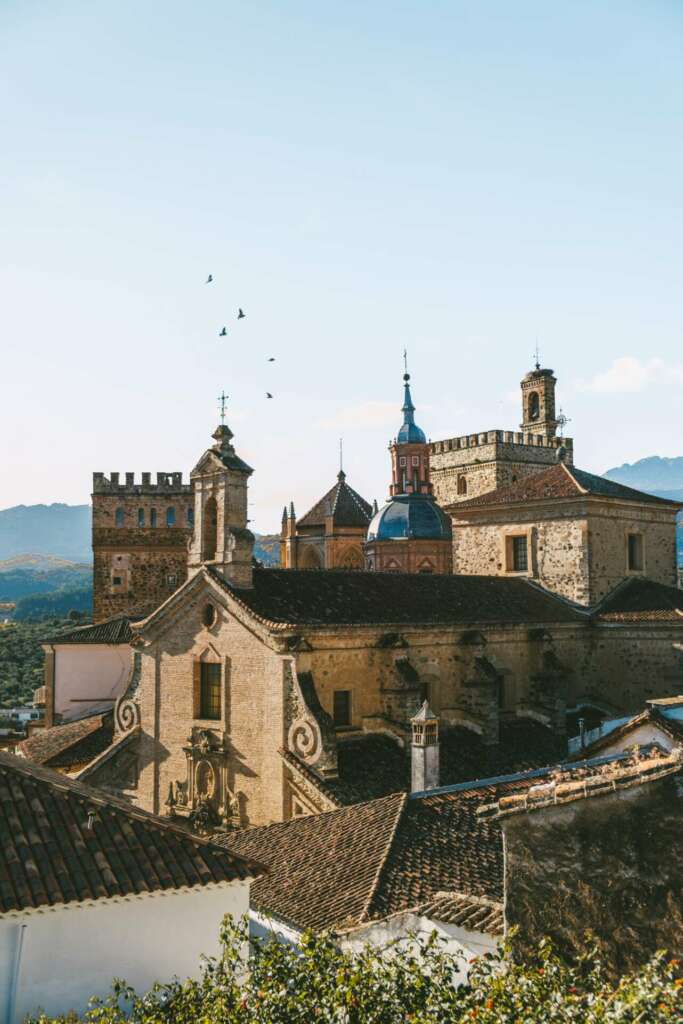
column 412, row 983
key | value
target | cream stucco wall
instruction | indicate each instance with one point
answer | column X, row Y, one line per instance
column 71, row 953
column 89, row 676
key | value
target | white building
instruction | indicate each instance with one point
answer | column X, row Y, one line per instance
column 94, row 889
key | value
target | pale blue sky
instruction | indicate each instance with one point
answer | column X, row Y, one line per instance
column 458, row 177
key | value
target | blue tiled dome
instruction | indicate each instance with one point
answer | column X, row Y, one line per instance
column 410, row 515
column 409, row 433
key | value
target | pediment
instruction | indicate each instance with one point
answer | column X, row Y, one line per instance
column 209, row 463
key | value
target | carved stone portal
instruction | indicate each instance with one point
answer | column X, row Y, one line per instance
column 204, row 797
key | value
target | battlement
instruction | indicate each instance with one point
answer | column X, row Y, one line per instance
column 499, row 437
column 166, row 483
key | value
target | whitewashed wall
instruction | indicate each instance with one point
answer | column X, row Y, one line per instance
column 72, row 953
column 89, row 676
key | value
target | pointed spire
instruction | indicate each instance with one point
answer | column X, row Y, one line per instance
column 291, row 510
column 284, row 514
column 409, row 431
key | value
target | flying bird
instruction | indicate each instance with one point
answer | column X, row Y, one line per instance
column 268, row 394
column 223, row 333
column 209, row 279
column 272, row 359
column 241, row 314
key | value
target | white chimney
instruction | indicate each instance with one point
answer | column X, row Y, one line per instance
column 424, row 750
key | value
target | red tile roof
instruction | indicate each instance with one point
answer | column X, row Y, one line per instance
column 345, row 505
column 560, row 481
column 111, row 631
column 49, row 855
column 641, row 600
column 69, row 745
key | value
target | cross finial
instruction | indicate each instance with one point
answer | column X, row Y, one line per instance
column 562, row 422
column 405, row 360
column 222, row 398
column 537, row 357
column 341, row 454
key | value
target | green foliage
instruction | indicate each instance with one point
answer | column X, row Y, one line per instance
column 55, row 605
column 411, row 983
column 21, row 658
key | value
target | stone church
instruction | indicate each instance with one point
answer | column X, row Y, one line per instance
column 511, row 590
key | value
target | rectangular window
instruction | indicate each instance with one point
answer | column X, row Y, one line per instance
column 172, row 579
column 116, row 581
column 342, row 708
column 635, row 552
column 520, row 557
column 210, row 690
column 416, row 460
column 402, row 460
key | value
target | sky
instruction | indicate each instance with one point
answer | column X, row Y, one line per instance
column 464, row 179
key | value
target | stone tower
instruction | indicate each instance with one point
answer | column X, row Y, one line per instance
column 221, row 537
column 424, row 750
column 410, row 533
column 140, row 533
column 538, row 402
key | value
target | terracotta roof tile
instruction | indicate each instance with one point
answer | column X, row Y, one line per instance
column 560, row 481
column 345, row 505
column 284, row 597
column 111, row 631
column 49, row 855
column 471, row 912
column 642, row 600
column 69, row 745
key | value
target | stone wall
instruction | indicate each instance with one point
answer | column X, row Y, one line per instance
column 611, row 865
column 494, row 458
column 149, row 561
column 609, row 526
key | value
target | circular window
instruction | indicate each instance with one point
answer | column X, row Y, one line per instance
column 209, row 615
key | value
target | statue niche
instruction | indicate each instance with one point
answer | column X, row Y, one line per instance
column 204, row 798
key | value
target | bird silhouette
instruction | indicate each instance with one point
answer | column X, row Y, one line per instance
column 268, row 394
column 272, row 359
column 209, row 279
column 241, row 314
column 223, row 333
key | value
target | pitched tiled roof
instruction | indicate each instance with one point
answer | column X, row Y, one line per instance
column 322, row 869
column 372, row 766
column 642, row 600
column 300, row 597
column 342, row 503
column 560, row 481
column 437, row 854
column 50, row 856
column 112, row 631
column 71, row 745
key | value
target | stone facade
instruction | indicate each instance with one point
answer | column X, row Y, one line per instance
column 577, row 548
column 610, row 865
column 140, row 533
column 330, row 535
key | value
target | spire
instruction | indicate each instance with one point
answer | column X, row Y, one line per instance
column 409, row 431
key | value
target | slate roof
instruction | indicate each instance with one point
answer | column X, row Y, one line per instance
column 310, row 597
column 345, row 505
column 435, row 854
column 111, row 631
column 560, row 481
column 642, row 600
column 49, row 856
column 72, row 745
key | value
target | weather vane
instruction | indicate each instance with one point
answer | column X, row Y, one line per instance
column 405, row 361
column 222, row 398
column 341, row 454
column 562, row 422
column 537, row 357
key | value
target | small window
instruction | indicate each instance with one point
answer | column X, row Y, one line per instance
column 141, row 517
column 190, row 516
column 170, row 516
column 416, row 460
column 209, row 615
column 520, row 556
column 119, row 517
column 152, row 517
column 210, row 690
column 462, row 485
column 172, row 579
column 402, row 461
column 635, row 552
column 116, row 581
column 534, row 406
column 341, row 712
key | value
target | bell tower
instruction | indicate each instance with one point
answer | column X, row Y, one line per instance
column 221, row 537
column 538, row 402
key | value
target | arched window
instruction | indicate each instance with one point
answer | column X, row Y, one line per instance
column 141, row 517
column 170, row 516
column 152, row 517
column 534, row 406
column 210, row 532
column 462, row 485
column 351, row 559
column 119, row 516
column 190, row 516
column 310, row 558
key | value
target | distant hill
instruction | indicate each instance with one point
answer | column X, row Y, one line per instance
column 61, row 531
column 655, row 475
column 267, row 548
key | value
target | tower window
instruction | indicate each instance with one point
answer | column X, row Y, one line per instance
column 518, row 554
column 170, row 516
column 402, row 461
column 635, row 552
column 141, row 517
column 210, row 690
column 416, row 460
column 210, row 530
column 462, row 485
column 534, row 406
column 341, row 712
column 190, row 516
column 152, row 517
column 119, row 516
